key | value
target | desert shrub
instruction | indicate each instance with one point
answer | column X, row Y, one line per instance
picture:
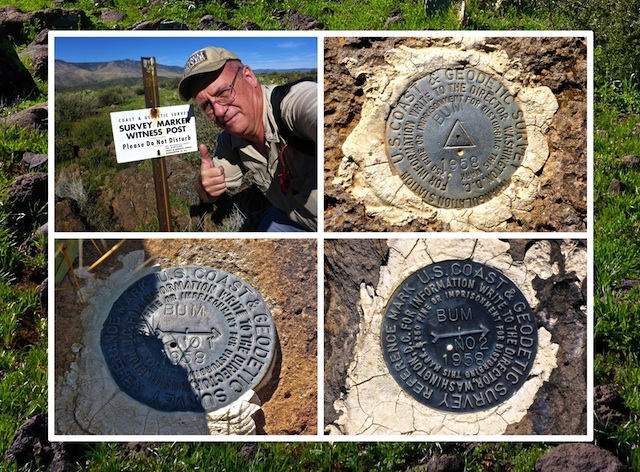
column 170, row 84
column 65, row 149
column 72, row 107
column 91, row 131
column 94, row 156
column 114, row 96
column 279, row 78
column 72, row 188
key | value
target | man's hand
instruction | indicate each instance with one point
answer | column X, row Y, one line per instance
column 211, row 183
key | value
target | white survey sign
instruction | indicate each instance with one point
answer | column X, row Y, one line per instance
column 154, row 132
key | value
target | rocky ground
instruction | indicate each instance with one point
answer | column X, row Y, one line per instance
column 560, row 405
column 282, row 271
column 557, row 63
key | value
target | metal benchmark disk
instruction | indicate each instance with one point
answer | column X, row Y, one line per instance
column 459, row 336
column 456, row 136
column 188, row 338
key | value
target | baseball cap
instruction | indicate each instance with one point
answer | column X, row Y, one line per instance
column 209, row 59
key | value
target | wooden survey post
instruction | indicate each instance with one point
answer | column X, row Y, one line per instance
column 152, row 101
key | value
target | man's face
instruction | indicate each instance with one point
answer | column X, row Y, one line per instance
column 232, row 100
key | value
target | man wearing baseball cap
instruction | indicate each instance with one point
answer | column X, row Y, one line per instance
column 262, row 135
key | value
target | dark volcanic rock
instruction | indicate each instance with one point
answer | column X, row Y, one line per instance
column 161, row 24
column 15, row 81
column 28, row 191
column 26, row 198
column 251, row 26
column 38, row 51
column 32, row 160
column 579, row 458
column 30, row 440
column 31, row 446
column 17, row 24
column 67, row 218
column 445, row 463
column 630, row 161
column 209, row 22
column 563, row 397
column 615, row 187
column 110, row 16
column 348, row 263
column 43, row 291
column 36, row 117
column 299, row 21
column 61, row 19
column 610, row 408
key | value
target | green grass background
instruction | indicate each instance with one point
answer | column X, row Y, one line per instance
column 23, row 367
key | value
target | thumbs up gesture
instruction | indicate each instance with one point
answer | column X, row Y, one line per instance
column 210, row 183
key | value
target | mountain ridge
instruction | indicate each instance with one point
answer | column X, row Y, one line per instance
column 73, row 75
column 77, row 74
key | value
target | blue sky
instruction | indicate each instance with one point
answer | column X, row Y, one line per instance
column 264, row 52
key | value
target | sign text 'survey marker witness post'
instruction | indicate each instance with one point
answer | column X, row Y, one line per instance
column 153, row 133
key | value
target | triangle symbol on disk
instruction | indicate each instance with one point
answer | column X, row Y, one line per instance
column 458, row 137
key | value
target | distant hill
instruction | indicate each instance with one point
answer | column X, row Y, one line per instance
column 78, row 75
column 74, row 75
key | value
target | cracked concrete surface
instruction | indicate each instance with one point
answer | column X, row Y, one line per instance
column 374, row 404
column 365, row 171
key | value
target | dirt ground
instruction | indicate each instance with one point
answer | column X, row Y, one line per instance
column 558, row 63
column 284, row 272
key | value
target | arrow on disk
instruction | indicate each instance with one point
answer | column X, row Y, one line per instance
column 482, row 331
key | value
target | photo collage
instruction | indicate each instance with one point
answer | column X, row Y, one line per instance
column 321, row 236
